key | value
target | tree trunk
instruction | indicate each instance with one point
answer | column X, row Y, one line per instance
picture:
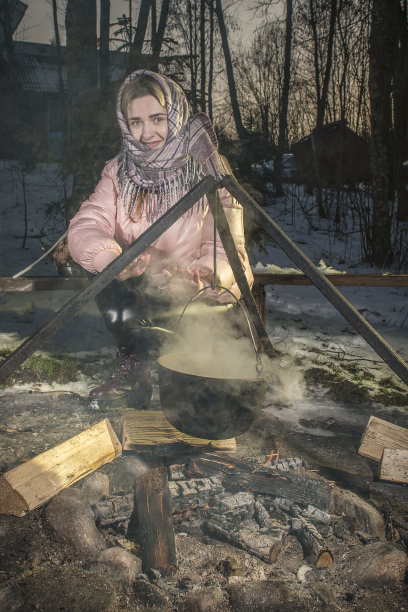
column 81, row 62
column 211, row 61
column 153, row 20
column 192, row 56
column 202, row 54
column 321, row 95
column 241, row 131
column 8, row 36
column 401, row 115
column 321, row 103
column 157, row 41
column 283, row 118
column 58, row 49
column 381, row 56
column 135, row 51
column 104, row 45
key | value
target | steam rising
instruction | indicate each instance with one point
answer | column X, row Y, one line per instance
column 214, row 341
column 288, row 382
column 210, row 343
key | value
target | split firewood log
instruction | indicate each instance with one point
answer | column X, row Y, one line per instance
column 312, row 542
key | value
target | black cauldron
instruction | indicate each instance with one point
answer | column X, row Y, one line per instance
column 203, row 405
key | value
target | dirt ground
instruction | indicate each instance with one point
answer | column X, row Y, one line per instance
column 39, row 572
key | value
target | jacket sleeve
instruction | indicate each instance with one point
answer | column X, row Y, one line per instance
column 205, row 263
column 91, row 231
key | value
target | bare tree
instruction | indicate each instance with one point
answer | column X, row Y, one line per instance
column 400, row 96
column 197, row 63
column 104, row 35
column 383, row 44
column 158, row 34
column 136, row 48
column 348, row 91
column 260, row 70
column 193, row 27
column 211, row 60
column 81, row 62
column 322, row 88
column 241, row 131
column 283, row 112
column 202, row 55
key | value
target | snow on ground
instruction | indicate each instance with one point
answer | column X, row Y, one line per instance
column 300, row 321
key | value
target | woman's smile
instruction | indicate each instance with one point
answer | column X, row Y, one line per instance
column 147, row 120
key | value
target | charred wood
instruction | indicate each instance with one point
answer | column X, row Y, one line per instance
column 315, row 514
column 265, row 546
column 261, row 515
column 176, row 472
column 238, row 473
column 113, row 509
column 196, row 491
column 283, row 465
column 287, row 506
column 154, row 521
column 297, row 488
column 312, row 542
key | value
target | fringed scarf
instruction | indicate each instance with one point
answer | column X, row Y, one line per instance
column 160, row 177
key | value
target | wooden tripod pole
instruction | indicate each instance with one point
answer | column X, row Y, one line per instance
column 321, row 282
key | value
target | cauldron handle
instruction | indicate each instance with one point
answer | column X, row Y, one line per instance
column 259, row 363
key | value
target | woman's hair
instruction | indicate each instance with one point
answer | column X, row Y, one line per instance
column 141, row 85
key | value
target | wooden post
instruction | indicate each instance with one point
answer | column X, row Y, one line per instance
column 154, row 519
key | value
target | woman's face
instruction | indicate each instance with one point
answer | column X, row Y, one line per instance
column 147, row 120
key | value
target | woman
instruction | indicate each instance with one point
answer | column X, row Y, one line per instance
column 164, row 153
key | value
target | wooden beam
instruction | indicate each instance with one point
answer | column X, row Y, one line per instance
column 41, row 283
column 345, row 280
column 33, row 483
column 261, row 279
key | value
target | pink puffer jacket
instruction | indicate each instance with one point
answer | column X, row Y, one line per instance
column 102, row 228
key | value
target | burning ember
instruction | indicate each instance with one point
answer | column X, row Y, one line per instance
column 271, row 456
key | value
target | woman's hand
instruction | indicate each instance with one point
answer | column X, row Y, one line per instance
column 135, row 268
column 181, row 281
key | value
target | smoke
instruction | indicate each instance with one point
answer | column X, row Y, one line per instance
column 127, row 471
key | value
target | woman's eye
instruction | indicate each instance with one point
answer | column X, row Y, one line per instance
column 159, row 119
column 135, row 123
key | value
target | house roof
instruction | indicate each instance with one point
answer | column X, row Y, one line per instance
column 37, row 67
column 38, row 72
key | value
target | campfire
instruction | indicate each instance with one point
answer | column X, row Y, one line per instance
column 181, row 523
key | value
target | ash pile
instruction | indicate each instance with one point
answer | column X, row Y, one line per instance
column 218, row 533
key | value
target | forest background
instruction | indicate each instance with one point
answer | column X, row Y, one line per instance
column 305, row 64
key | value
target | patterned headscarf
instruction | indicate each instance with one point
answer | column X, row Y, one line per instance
column 162, row 176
